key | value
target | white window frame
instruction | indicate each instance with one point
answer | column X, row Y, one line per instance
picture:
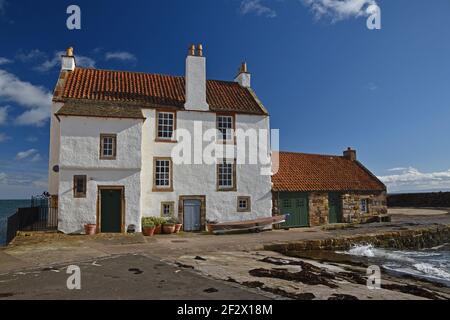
column 247, row 200
column 165, row 125
column 162, row 179
column 226, row 172
column 364, row 205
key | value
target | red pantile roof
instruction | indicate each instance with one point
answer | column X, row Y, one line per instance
column 154, row 90
column 300, row 172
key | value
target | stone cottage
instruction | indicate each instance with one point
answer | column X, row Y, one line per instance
column 324, row 189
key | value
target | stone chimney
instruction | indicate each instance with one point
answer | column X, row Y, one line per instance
column 196, row 80
column 243, row 77
column 350, row 154
column 68, row 60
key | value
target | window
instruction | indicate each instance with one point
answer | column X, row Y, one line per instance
column 163, row 173
column 108, row 143
column 225, row 127
column 287, row 203
column 79, row 186
column 226, row 175
column 243, row 204
column 167, row 209
column 363, row 206
column 165, row 125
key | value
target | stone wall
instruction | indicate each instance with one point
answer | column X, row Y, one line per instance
column 351, row 211
column 318, row 209
column 430, row 200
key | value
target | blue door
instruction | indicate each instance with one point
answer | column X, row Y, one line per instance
column 192, row 220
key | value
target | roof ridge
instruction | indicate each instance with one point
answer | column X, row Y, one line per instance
column 151, row 73
column 312, row 154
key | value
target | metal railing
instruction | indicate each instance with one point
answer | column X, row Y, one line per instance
column 41, row 216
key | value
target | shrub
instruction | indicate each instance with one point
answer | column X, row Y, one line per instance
column 148, row 222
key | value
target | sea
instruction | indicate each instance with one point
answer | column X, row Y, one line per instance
column 8, row 208
column 430, row 264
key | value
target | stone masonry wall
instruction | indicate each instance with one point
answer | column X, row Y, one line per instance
column 318, row 209
column 351, row 210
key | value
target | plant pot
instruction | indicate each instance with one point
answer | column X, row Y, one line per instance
column 148, row 231
column 210, row 228
column 90, row 229
column 158, row 229
column 169, row 228
column 178, row 227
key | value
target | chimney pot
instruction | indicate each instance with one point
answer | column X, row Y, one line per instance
column 200, row 50
column 191, row 50
column 69, row 52
column 243, row 77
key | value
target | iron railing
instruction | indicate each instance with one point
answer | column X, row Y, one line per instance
column 41, row 216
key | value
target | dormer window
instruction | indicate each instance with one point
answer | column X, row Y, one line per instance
column 165, row 125
column 108, row 146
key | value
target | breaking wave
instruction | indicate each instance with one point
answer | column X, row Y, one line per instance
column 431, row 264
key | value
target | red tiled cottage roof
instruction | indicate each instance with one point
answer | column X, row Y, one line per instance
column 300, row 172
column 153, row 90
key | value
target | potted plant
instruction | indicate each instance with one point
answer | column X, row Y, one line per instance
column 178, row 225
column 148, row 227
column 209, row 225
column 169, row 226
column 90, row 229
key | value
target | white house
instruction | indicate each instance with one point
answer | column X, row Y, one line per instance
column 113, row 139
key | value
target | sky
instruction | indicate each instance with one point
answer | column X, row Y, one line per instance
column 327, row 80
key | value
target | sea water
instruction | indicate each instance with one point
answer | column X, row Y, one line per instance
column 431, row 264
column 8, row 208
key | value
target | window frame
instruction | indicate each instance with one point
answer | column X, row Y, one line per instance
column 219, row 137
column 77, row 194
column 249, row 204
column 114, row 146
column 172, row 210
column 366, row 205
column 174, row 126
column 233, row 186
column 168, row 188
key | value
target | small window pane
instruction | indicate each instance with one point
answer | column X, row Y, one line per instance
column 79, row 186
column 226, row 174
column 167, row 209
column 108, row 146
column 162, row 173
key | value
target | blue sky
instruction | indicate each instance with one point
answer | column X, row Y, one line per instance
column 327, row 80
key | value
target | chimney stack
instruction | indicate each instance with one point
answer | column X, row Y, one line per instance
column 196, row 80
column 350, row 154
column 68, row 60
column 243, row 77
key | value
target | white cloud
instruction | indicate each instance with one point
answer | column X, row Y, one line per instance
column 411, row 179
column 120, row 55
column 3, row 177
column 3, row 137
column 256, row 7
column 339, row 9
column 31, row 55
column 36, row 158
column 5, row 61
column 50, row 64
column 3, row 114
column 26, row 154
column 35, row 98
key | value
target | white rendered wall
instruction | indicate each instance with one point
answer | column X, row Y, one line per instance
column 53, row 159
column 195, row 180
column 79, row 155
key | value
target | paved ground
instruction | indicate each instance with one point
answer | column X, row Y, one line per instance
column 419, row 212
column 34, row 252
column 121, row 277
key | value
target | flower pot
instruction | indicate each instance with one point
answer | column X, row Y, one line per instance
column 148, row 231
column 90, row 229
column 210, row 228
column 169, row 228
column 178, row 227
column 158, row 229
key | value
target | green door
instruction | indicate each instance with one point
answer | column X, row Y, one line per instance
column 111, row 210
column 335, row 208
column 296, row 205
